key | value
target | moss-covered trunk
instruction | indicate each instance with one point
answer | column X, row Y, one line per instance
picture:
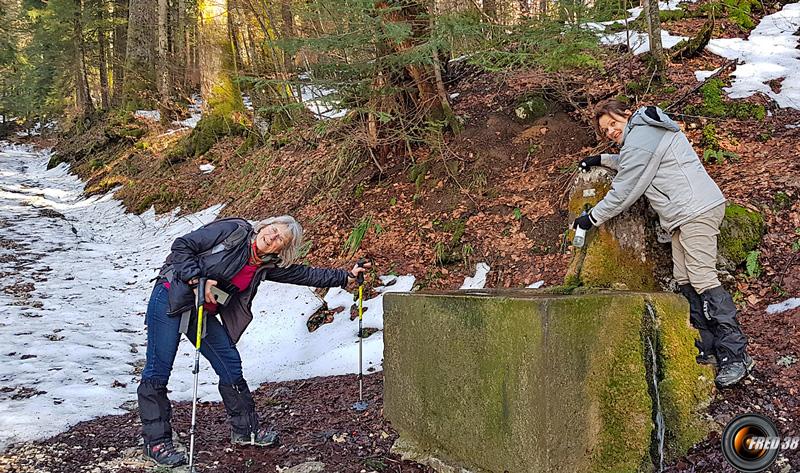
column 223, row 109
column 140, row 59
column 220, row 93
column 623, row 253
column 632, row 251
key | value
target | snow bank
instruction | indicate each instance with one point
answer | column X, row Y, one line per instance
column 770, row 53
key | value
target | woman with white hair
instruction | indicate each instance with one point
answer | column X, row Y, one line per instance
column 232, row 256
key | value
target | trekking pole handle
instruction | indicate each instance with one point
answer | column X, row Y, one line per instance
column 201, row 300
column 201, row 292
column 360, row 276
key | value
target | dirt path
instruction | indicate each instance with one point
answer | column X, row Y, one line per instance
column 314, row 418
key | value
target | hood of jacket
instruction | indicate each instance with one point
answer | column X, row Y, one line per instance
column 649, row 116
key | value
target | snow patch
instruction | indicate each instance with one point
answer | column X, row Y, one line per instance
column 479, row 280
column 195, row 113
column 72, row 348
column 769, row 53
column 639, row 42
column 152, row 115
column 703, row 75
column 634, row 14
column 788, row 304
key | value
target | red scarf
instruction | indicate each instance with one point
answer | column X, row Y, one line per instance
column 254, row 260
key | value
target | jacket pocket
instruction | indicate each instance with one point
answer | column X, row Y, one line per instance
column 663, row 194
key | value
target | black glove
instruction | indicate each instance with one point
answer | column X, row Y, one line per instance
column 584, row 221
column 588, row 163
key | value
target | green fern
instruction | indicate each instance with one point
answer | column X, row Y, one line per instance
column 364, row 225
column 752, row 264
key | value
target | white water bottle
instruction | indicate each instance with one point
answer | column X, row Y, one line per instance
column 580, row 238
column 580, row 235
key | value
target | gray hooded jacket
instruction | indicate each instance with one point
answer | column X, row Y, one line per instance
column 657, row 160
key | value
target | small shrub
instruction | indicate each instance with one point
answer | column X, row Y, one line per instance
column 358, row 192
column 719, row 156
column 752, row 264
column 782, row 200
column 417, row 174
column 740, row 12
column 353, row 242
column 709, row 139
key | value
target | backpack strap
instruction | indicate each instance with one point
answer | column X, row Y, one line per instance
column 236, row 237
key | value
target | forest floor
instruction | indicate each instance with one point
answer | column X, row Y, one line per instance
column 496, row 193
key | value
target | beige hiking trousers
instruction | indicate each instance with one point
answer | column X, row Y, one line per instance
column 694, row 250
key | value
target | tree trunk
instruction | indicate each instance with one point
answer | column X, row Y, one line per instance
column 83, row 98
column 233, row 34
column 288, row 32
column 194, row 48
column 102, row 51
column 220, row 93
column 418, row 99
column 103, row 66
column 119, row 47
column 140, row 81
column 179, row 46
column 543, row 9
column 252, row 45
column 248, row 49
column 164, row 77
column 654, row 34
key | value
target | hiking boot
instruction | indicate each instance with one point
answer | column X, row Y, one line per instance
column 731, row 373
column 245, row 426
column 710, row 360
column 262, row 438
column 165, row 454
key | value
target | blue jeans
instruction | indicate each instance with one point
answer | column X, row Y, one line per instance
column 163, row 336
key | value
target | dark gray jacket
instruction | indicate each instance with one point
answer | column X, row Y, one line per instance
column 657, row 160
column 219, row 250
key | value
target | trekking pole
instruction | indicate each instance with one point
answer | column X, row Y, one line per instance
column 361, row 405
column 201, row 299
